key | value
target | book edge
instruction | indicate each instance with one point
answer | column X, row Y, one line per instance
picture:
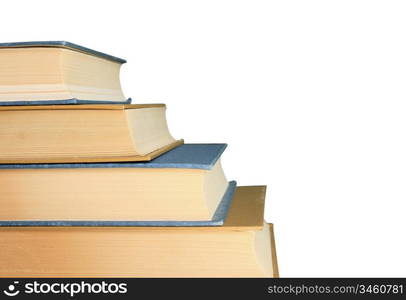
column 275, row 267
column 217, row 220
column 60, row 102
column 76, row 106
column 65, row 45
column 56, row 162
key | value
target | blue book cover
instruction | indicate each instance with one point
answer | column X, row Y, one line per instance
column 63, row 44
column 188, row 156
column 61, row 102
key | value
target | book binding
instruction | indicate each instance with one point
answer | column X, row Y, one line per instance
column 62, row 102
column 63, row 44
column 217, row 220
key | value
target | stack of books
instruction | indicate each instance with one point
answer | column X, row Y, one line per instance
column 93, row 186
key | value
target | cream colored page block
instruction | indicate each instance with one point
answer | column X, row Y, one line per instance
column 26, row 73
column 98, row 70
column 214, row 186
column 100, row 79
column 51, row 73
column 34, row 92
column 64, row 133
column 122, row 252
column 102, row 194
column 149, row 129
column 82, row 92
column 263, row 248
column 40, row 65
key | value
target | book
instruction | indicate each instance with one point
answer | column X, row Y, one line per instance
column 184, row 187
column 83, row 133
column 243, row 247
column 58, row 72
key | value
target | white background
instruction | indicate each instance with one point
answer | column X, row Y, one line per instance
column 309, row 95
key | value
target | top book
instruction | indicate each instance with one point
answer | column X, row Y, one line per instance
column 58, row 72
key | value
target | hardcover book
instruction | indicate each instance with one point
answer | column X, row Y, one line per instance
column 183, row 187
column 58, row 72
column 243, row 247
column 83, row 133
